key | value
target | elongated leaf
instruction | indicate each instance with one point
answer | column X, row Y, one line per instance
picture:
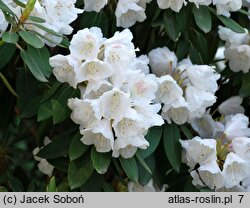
column 19, row 3
column 143, row 163
column 79, row 172
column 203, row 18
column 45, row 111
column 34, row 68
column 31, row 39
column 60, row 163
column 76, row 148
column 60, row 113
column 7, row 51
column 10, row 37
column 100, row 161
column 5, row 8
column 7, row 84
column 52, row 32
column 36, row 19
column 57, row 148
column 51, row 187
column 170, row 25
column 153, row 137
column 171, row 136
column 245, row 88
column 130, row 168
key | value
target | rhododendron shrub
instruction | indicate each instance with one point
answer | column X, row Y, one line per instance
column 124, row 95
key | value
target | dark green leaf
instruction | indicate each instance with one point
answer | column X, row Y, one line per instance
column 142, row 162
column 36, row 19
column 51, row 187
column 100, row 161
column 171, row 136
column 76, row 148
column 79, row 172
column 6, row 52
column 245, row 88
column 203, row 18
column 170, row 25
column 7, row 84
column 5, row 8
column 31, row 39
column 130, row 168
column 10, row 37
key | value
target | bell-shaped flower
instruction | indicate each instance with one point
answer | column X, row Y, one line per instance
column 94, row 5
column 114, row 104
column 95, row 89
column 162, row 61
column 224, row 7
column 234, row 170
column 175, row 5
column 239, row 58
column 65, row 69
column 203, row 77
column 127, row 147
column 100, row 135
column 168, row 90
column 94, row 70
column 241, row 146
column 84, row 112
column 231, row 106
column 236, row 126
column 208, row 175
column 128, row 12
column 86, row 43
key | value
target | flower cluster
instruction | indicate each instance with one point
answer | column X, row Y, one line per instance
column 115, row 110
column 237, row 49
column 219, row 159
column 128, row 12
column 58, row 14
column 186, row 90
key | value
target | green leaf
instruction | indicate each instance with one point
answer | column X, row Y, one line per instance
column 33, row 66
column 76, row 148
column 143, row 163
column 10, row 37
column 19, row 3
column 171, row 136
column 15, row 184
column 79, row 172
column 5, row 8
column 36, row 19
column 245, row 88
column 57, row 148
column 100, row 161
column 51, row 187
column 41, row 56
column 45, row 111
column 52, row 32
column 6, row 52
column 228, row 22
column 60, row 163
column 7, row 84
column 187, row 132
column 154, row 138
column 170, row 25
column 31, row 108
column 31, row 39
column 130, row 168
column 203, row 18
column 60, row 113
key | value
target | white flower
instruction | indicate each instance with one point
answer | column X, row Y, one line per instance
column 234, row 170
column 141, row 63
column 65, row 69
column 224, row 7
column 86, row 43
column 201, row 2
column 136, row 187
column 94, row 5
column 198, row 101
column 94, row 70
column 231, row 37
column 239, row 58
column 43, row 164
column 236, row 126
column 203, row 77
column 142, row 3
column 177, row 111
column 127, row 147
column 168, row 90
column 3, row 23
column 100, row 135
column 95, row 89
column 84, row 112
column 162, row 61
column 208, row 175
column 175, row 5
column 199, row 151
column 114, row 104
column 241, row 146
column 128, row 12
column 231, row 106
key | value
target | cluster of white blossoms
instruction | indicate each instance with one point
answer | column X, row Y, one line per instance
column 58, row 15
column 237, row 49
column 219, row 158
column 128, row 12
column 115, row 110
column 186, row 90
